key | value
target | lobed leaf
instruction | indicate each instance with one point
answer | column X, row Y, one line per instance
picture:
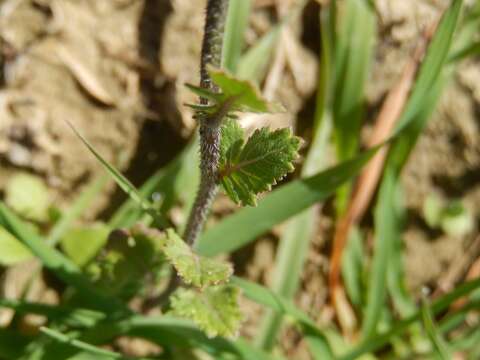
column 194, row 269
column 122, row 267
column 290, row 199
column 248, row 169
column 234, row 95
column 215, row 310
column 247, row 96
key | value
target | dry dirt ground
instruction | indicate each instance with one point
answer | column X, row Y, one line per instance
column 115, row 69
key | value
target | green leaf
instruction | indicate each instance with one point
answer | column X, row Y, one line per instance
column 56, row 262
column 81, row 244
column 254, row 63
column 353, row 267
column 247, row 96
column 27, row 195
column 194, row 269
column 232, row 137
column 440, row 347
column 215, row 310
column 397, row 328
column 433, row 64
column 12, row 251
column 177, row 181
column 234, row 96
column 295, row 241
column 121, row 180
column 249, row 169
column 237, row 23
column 354, row 46
column 127, row 259
column 75, row 317
column 383, row 247
column 290, row 199
column 65, row 339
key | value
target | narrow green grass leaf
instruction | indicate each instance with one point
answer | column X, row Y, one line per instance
column 285, row 307
column 245, row 225
column 383, row 251
column 121, row 180
column 253, row 64
column 233, row 41
column 295, row 241
column 433, row 63
column 172, row 331
column 78, row 208
column 173, row 182
column 75, row 317
column 397, row 328
column 353, row 267
column 425, row 93
column 280, row 304
column 354, row 45
column 65, row 339
column 56, row 262
column 440, row 347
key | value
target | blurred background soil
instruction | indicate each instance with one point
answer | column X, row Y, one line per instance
column 115, row 69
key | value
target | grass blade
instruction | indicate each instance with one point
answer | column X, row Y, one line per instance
column 397, row 328
column 439, row 345
column 253, row 63
column 426, row 90
column 121, row 180
column 170, row 331
column 353, row 267
column 245, row 225
column 432, row 65
column 69, row 316
column 80, row 345
column 295, row 241
column 353, row 54
column 237, row 22
column 313, row 335
column 383, row 248
column 172, row 183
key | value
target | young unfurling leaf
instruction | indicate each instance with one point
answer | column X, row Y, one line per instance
column 234, row 96
column 215, row 310
column 248, row 169
column 194, row 269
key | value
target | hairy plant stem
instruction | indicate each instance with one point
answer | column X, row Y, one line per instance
column 209, row 127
